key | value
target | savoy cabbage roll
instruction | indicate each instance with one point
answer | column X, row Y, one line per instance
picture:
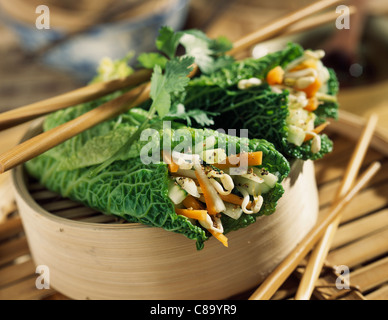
column 285, row 97
column 188, row 189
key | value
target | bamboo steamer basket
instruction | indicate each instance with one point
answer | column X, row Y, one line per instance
column 132, row 261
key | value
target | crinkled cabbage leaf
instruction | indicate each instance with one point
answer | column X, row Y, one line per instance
column 128, row 188
column 257, row 109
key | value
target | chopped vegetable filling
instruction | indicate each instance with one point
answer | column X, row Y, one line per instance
column 304, row 78
column 207, row 193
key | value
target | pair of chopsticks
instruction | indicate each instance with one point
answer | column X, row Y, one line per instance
column 45, row 141
column 88, row 93
column 324, row 231
column 318, row 255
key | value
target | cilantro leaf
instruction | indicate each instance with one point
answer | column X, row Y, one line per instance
column 201, row 117
column 168, row 41
column 199, row 49
column 174, row 80
column 208, row 53
column 204, row 50
column 150, row 60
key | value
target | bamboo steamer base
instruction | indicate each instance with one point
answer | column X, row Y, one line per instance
column 132, row 261
column 109, row 260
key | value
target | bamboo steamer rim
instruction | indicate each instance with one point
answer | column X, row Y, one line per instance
column 18, row 180
column 22, row 190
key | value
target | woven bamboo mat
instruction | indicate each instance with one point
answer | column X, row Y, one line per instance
column 361, row 243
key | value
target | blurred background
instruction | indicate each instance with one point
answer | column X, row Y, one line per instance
column 37, row 64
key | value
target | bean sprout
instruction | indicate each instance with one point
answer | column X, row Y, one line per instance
column 257, row 203
column 219, row 188
column 316, row 143
column 245, row 201
column 302, row 73
column 226, row 180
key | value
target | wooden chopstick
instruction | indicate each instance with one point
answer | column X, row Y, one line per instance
column 315, row 21
column 51, row 138
column 319, row 253
column 272, row 283
column 273, row 28
column 84, row 94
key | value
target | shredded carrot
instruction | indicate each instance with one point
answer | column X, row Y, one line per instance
column 174, row 174
column 167, row 158
column 226, row 165
column 309, row 63
column 312, row 104
column 312, row 89
column 220, row 237
column 191, row 202
column 193, row 214
column 210, row 202
column 234, row 199
column 253, row 159
column 317, row 130
column 275, row 76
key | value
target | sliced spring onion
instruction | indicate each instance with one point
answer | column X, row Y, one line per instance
column 251, row 175
column 269, row 178
column 251, row 187
column 212, row 223
column 176, row 193
column 233, row 210
column 326, row 97
column 214, row 155
column 213, row 172
column 302, row 73
column 185, row 156
column 186, row 173
column 188, row 185
column 296, row 135
column 316, row 144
